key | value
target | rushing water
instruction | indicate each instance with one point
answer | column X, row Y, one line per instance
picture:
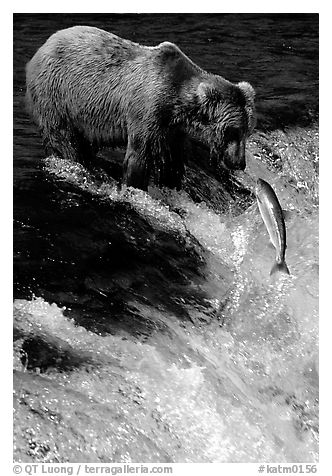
column 146, row 326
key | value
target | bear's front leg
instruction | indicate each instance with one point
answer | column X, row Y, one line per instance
column 136, row 170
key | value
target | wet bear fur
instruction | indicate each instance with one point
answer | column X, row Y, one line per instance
column 87, row 89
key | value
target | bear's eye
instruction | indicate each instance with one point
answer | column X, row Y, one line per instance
column 232, row 134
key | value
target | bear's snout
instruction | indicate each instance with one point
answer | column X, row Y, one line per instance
column 240, row 166
column 234, row 157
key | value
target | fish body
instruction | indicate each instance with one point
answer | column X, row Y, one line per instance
column 273, row 218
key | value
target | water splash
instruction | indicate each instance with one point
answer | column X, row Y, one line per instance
column 235, row 380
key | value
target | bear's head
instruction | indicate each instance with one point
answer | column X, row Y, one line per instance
column 225, row 117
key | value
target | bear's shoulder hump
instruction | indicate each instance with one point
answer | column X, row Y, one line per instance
column 166, row 49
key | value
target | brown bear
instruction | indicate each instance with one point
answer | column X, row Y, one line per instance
column 87, row 88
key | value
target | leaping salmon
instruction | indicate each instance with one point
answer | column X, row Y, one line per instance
column 273, row 218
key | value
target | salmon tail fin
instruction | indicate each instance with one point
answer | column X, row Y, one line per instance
column 282, row 267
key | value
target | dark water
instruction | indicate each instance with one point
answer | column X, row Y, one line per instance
column 146, row 326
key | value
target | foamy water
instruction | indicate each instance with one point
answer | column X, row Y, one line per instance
column 228, row 369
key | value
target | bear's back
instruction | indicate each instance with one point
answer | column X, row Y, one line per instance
column 85, row 47
column 87, row 43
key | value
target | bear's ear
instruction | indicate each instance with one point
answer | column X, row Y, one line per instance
column 248, row 91
column 204, row 91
